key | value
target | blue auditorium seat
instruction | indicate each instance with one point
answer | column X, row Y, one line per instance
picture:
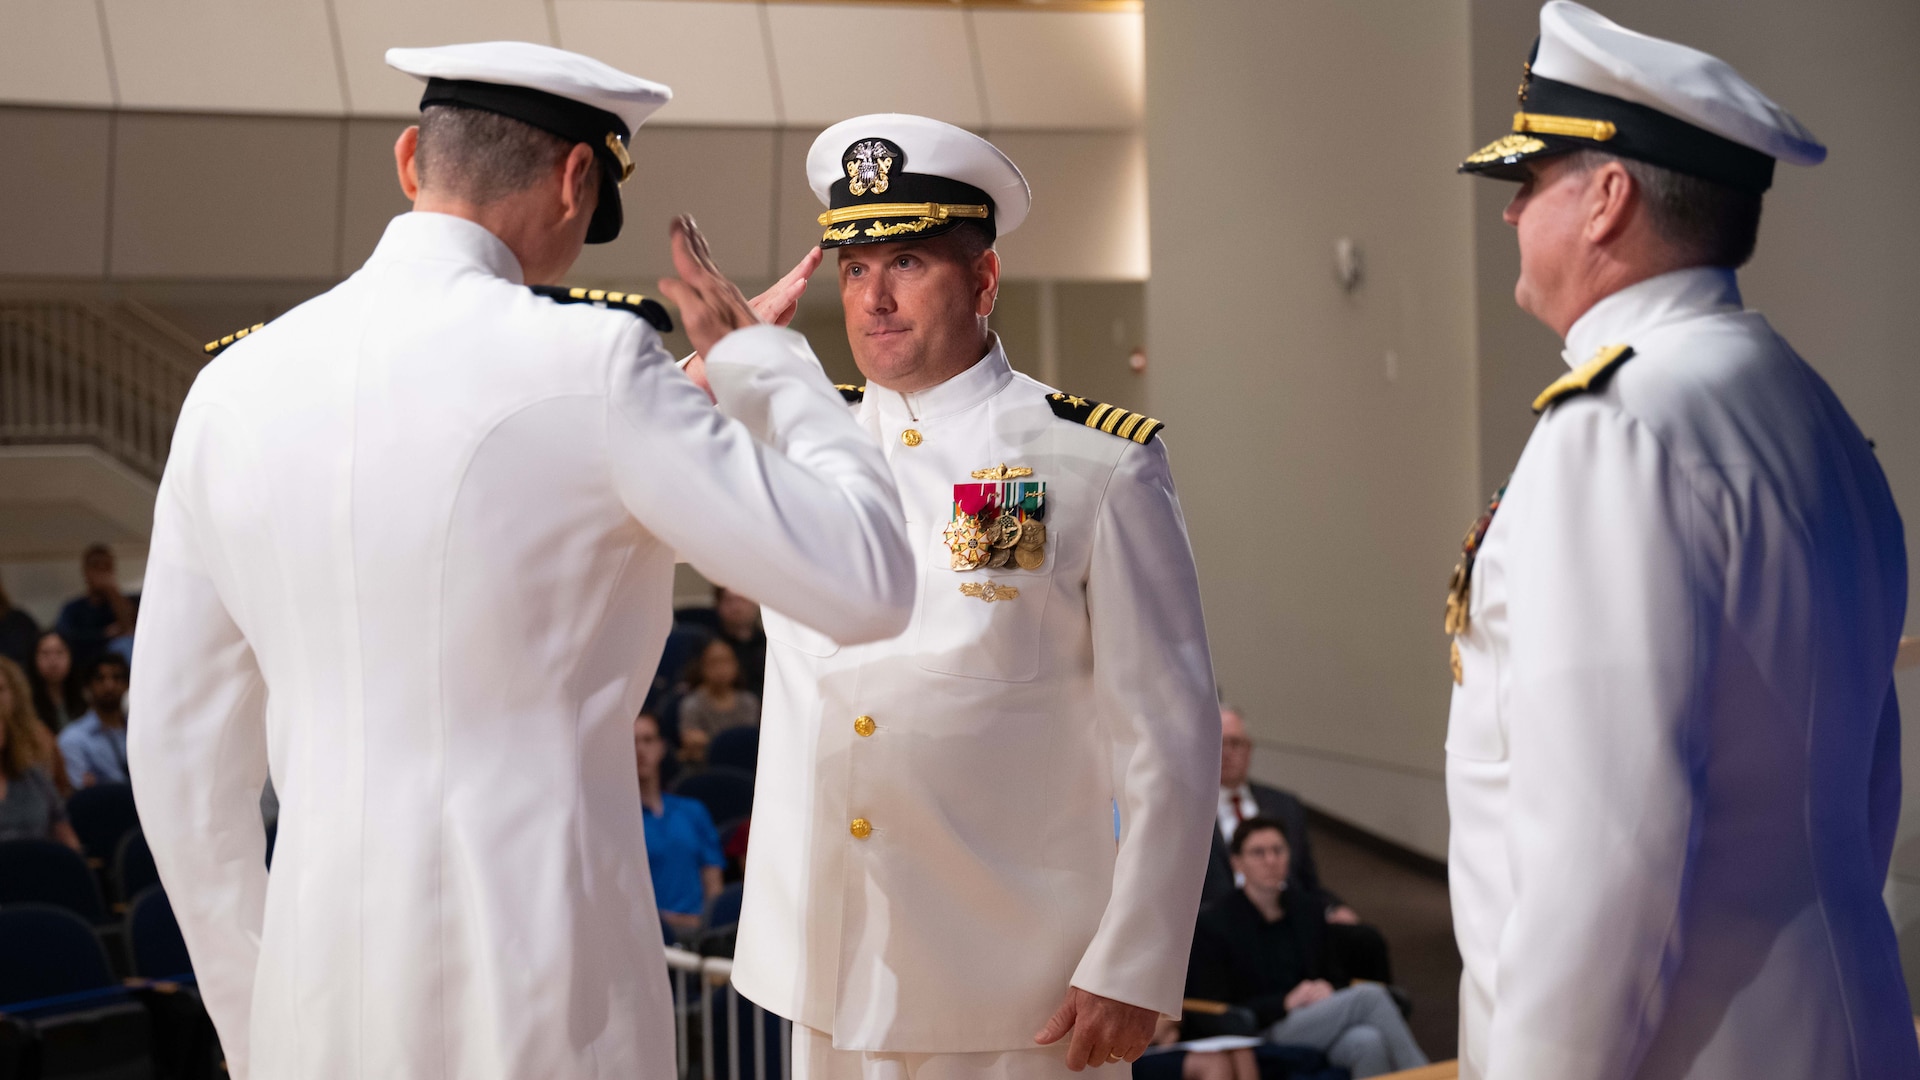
column 727, row 793
column 65, row 1014
column 133, row 869
column 153, row 937
column 735, row 748
column 46, row 872
column 102, row 814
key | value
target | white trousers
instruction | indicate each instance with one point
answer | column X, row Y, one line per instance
column 814, row 1058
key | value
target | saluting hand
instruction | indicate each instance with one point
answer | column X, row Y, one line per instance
column 1105, row 1031
column 776, row 306
column 711, row 307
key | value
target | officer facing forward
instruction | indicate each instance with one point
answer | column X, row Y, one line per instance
column 937, row 885
column 1673, row 757
column 413, row 555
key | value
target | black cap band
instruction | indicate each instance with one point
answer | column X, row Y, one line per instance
column 1641, row 133
column 906, row 205
column 563, row 117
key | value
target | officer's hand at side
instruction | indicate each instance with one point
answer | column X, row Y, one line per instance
column 711, row 307
column 1104, row 1030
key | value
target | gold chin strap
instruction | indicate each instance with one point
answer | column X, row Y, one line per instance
column 1571, row 126
column 620, row 154
column 936, row 212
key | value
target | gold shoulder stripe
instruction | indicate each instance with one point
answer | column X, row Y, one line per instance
column 219, row 345
column 1588, row 376
column 1100, row 416
column 646, row 308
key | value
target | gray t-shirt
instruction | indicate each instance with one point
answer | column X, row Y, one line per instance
column 698, row 712
column 32, row 807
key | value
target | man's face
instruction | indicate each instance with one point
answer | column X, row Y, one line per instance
column 1548, row 212
column 1236, row 750
column 98, row 569
column 911, row 307
column 1263, row 861
column 736, row 612
column 108, row 688
column 648, row 748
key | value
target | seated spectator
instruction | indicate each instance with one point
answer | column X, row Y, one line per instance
column 1236, row 1064
column 57, row 697
column 101, row 619
column 714, row 703
column 18, row 631
column 1266, row 947
column 96, row 744
column 31, row 807
column 683, row 848
column 736, row 619
column 1362, row 947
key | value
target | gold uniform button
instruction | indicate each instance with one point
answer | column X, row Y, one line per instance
column 910, row 437
column 861, row 828
column 864, row 725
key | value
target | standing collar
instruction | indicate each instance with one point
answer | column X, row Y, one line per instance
column 1681, row 294
column 444, row 238
column 985, row 378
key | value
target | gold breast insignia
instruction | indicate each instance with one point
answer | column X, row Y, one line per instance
column 989, row 590
column 1002, row 472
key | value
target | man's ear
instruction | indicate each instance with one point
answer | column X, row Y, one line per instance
column 405, row 152
column 986, row 282
column 579, row 181
column 1611, row 198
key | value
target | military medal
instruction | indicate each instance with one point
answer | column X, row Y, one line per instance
column 998, row 524
column 1460, row 586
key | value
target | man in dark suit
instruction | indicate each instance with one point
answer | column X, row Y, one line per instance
column 1362, row 947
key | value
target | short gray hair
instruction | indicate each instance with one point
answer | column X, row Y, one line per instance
column 1714, row 224
column 482, row 156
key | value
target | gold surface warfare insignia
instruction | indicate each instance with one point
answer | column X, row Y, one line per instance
column 1002, row 472
column 989, row 590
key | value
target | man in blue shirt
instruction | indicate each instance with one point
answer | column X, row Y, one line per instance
column 683, row 847
column 95, row 745
column 101, row 619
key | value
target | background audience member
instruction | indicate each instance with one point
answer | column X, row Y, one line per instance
column 737, row 619
column 31, row 808
column 683, row 847
column 714, row 703
column 96, row 744
column 57, row 696
column 18, row 631
column 1264, row 949
column 102, row 618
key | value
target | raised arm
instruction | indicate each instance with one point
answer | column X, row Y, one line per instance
column 197, row 755
column 777, row 493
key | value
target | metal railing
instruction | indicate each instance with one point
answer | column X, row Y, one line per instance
column 709, row 1011
column 71, row 372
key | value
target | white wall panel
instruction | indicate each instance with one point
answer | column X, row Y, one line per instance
column 236, row 56
column 52, row 53
column 368, row 28
column 841, row 60
column 1089, row 218
column 1056, row 69
column 714, row 55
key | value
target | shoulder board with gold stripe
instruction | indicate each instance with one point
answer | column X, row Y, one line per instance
column 219, row 345
column 645, row 307
column 853, row 394
column 1111, row 419
column 1591, row 375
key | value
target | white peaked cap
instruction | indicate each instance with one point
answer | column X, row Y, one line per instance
column 1581, row 47
column 539, row 67
column 933, row 148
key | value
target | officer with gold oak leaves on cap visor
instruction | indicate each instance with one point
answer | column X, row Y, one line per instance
column 413, row 556
column 1673, row 757
column 934, row 882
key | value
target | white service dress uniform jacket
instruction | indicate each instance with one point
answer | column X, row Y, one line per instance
column 413, row 555
column 1673, row 755
column 984, row 751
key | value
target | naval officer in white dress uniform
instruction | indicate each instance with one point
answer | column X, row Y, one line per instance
column 413, row 556
column 934, row 887
column 1673, row 756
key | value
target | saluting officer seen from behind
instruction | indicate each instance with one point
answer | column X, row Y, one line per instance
column 937, row 883
column 1673, row 755
column 413, row 556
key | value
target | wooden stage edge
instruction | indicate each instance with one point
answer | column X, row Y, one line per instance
column 1441, row 1070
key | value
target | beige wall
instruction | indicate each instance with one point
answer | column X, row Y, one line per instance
column 1325, row 486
